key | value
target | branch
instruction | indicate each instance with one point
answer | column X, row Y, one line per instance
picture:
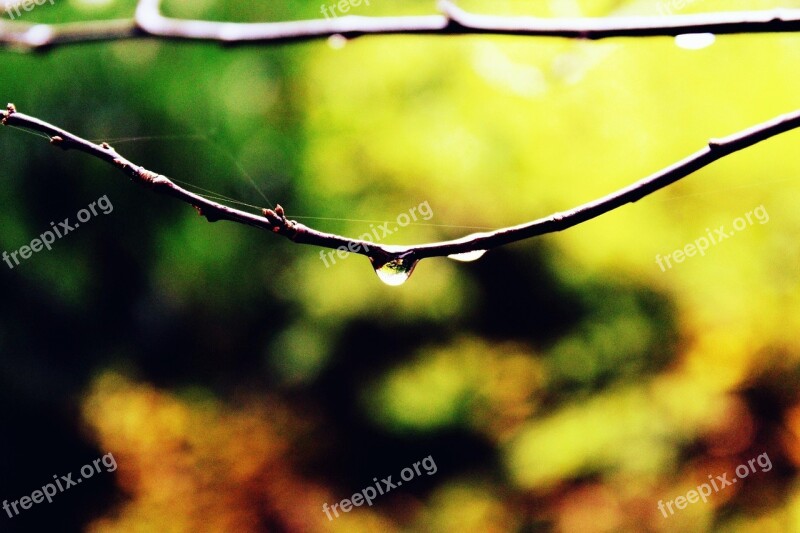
column 401, row 260
column 148, row 22
column 274, row 221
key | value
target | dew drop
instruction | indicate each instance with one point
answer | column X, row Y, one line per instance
column 695, row 41
column 466, row 257
column 396, row 271
column 337, row 41
column 40, row 34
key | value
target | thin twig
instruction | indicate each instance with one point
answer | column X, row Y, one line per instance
column 274, row 221
column 148, row 22
column 277, row 222
column 25, row 36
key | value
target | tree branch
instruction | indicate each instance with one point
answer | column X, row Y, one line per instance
column 148, row 22
column 274, row 221
column 407, row 257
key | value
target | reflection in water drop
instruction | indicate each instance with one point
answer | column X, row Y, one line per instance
column 396, row 271
column 468, row 256
column 695, row 41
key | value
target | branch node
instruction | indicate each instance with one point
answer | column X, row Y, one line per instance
column 716, row 144
column 209, row 216
column 447, row 8
column 280, row 224
column 10, row 110
column 148, row 177
column 270, row 215
column 58, row 140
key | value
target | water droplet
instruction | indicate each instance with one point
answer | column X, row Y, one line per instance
column 39, row 34
column 337, row 41
column 396, row 271
column 466, row 257
column 695, row 41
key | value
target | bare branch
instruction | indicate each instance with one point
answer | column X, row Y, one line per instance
column 148, row 22
column 25, row 36
column 716, row 149
column 274, row 221
column 381, row 255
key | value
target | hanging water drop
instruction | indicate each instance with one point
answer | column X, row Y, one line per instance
column 396, row 271
column 695, row 41
column 468, row 256
column 337, row 41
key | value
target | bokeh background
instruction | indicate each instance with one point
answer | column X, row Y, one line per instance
column 565, row 383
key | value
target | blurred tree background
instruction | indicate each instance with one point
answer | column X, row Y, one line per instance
column 565, row 383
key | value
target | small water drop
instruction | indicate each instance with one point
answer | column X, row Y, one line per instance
column 695, row 41
column 39, row 34
column 337, row 41
column 396, row 271
column 468, row 256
